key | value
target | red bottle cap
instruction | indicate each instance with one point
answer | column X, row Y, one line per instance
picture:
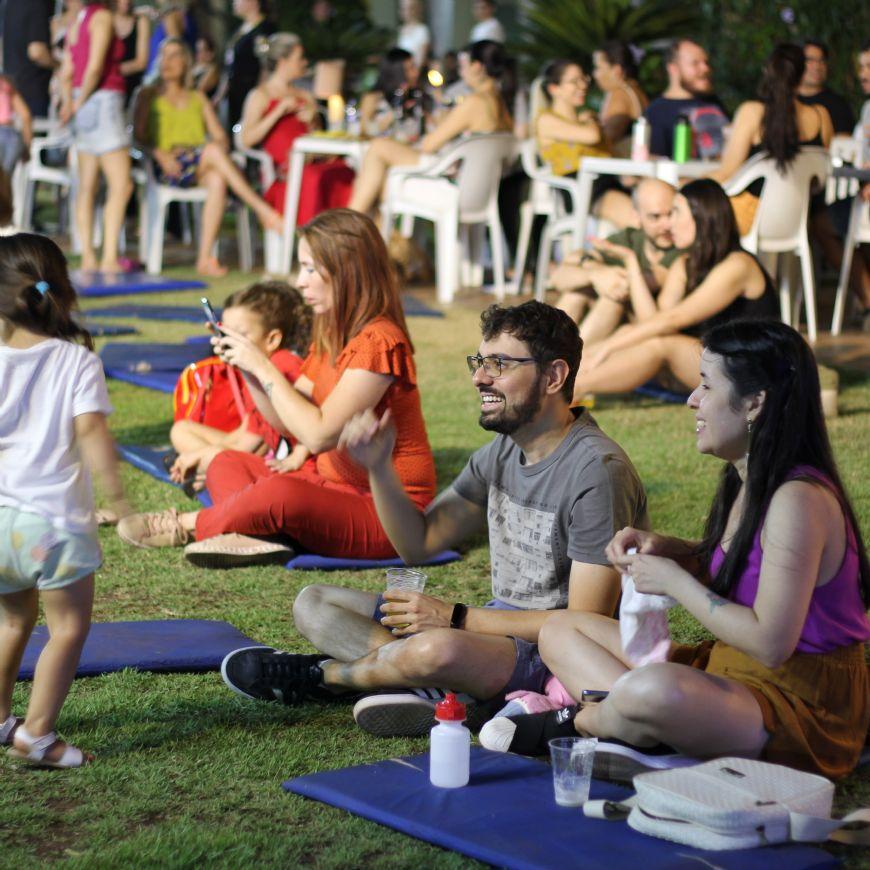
column 450, row 710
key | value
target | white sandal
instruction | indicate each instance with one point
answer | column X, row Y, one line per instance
column 37, row 747
column 8, row 729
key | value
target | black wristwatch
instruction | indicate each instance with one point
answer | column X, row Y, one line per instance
column 457, row 618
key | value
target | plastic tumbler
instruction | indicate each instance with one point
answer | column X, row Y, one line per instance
column 571, row 758
column 405, row 578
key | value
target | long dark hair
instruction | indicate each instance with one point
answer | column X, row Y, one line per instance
column 498, row 66
column 789, row 431
column 620, row 54
column 35, row 289
column 716, row 233
column 391, row 73
column 782, row 73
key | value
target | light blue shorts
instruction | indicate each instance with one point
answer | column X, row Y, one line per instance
column 100, row 125
column 34, row 554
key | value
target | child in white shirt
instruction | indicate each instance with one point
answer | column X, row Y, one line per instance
column 53, row 435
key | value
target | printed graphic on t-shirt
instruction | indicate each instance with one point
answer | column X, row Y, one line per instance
column 521, row 552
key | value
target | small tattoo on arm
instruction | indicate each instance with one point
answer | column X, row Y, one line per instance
column 268, row 389
column 715, row 601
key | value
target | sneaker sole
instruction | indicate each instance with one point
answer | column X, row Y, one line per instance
column 226, row 678
column 238, row 560
column 617, row 763
column 402, row 717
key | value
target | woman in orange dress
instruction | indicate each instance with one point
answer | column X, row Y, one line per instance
column 361, row 358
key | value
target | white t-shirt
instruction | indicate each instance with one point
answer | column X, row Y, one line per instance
column 42, row 390
column 414, row 38
column 489, row 29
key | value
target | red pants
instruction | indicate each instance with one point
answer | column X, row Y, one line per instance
column 331, row 519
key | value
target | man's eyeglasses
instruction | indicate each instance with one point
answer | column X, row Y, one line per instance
column 493, row 366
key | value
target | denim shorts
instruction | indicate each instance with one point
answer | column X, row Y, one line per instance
column 34, row 554
column 100, row 125
column 530, row 673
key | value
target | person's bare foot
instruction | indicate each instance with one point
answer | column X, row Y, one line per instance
column 111, row 267
column 211, row 267
column 88, row 264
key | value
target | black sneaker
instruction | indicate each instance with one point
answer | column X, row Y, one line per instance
column 528, row 734
column 266, row 674
column 618, row 761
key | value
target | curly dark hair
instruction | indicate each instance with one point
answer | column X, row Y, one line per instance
column 281, row 307
column 550, row 334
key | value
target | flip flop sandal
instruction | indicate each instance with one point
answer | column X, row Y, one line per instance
column 8, row 729
column 37, row 747
column 169, row 459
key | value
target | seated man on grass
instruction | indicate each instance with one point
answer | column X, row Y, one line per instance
column 626, row 275
column 551, row 488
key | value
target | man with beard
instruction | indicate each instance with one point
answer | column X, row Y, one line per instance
column 689, row 95
column 626, row 272
column 552, row 489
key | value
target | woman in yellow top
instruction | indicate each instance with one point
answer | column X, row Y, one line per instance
column 481, row 66
column 179, row 128
column 566, row 132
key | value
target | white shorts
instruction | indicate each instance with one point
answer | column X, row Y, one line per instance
column 100, row 125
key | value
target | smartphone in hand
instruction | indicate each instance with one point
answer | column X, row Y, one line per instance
column 213, row 322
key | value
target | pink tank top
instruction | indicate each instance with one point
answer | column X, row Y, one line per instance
column 836, row 616
column 6, row 113
column 111, row 79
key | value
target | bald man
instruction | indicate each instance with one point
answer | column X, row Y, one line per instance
column 626, row 272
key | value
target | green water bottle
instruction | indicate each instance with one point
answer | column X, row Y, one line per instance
column 682, row 140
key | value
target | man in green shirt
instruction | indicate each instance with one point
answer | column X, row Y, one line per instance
column 608, row 279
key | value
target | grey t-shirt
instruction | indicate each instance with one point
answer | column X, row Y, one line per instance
column 542, row 517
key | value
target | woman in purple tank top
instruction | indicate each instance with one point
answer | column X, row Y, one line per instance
column 780, row 579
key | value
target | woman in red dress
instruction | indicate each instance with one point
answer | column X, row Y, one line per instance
column 275, row 114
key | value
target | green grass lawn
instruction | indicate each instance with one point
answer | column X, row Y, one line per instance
column 187, row 773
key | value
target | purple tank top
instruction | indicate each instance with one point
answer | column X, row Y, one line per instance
column 836, row 616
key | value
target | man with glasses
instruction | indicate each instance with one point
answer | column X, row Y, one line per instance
column 551, row 490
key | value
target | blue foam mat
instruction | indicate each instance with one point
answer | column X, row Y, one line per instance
column 413, row 307
column 98, row 284
column 186, row 313
column 161, row 645
column 150, row 460
column 506, row 816
column 155, row 366
column 312, row 562
column 654, row 390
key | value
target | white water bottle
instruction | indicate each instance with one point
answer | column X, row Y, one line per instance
column 640, row 139
column 450, row 745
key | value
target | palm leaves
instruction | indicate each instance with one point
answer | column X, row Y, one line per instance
column 575, row 28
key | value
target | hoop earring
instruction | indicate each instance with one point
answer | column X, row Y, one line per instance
column 749, row 427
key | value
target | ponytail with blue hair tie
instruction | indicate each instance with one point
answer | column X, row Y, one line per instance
column 43, row 287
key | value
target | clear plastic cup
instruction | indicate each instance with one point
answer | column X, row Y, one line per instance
column 406, row 578
column 571, row 758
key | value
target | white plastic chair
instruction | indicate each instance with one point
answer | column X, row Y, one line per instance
column 467, row 198
column 843, row 149
column 857, row 234
column 36, row 171
column 780, row 224
column 154, row 200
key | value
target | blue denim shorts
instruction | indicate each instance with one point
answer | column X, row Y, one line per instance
column 530, row 673
column 34, row 554
column 100, row 125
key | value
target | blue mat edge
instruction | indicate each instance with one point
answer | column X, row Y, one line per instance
column 309, row 786
column 26, row 672
column 125, row 451
column 312, row 561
